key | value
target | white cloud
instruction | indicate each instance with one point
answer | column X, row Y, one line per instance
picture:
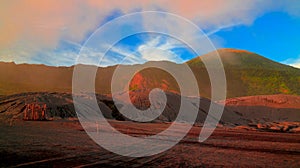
column 157, row 50
column 157, row 54
column 217, row 29
column 127, row 56
column 153, row 49
column 293, row 62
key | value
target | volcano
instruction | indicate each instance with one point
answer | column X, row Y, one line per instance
column 247, row 74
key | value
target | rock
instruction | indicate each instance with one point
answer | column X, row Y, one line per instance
column 285, row 128
column 220, row 126
column 243, row 127
column 261, row 126
column 252, row 124
column 295, row 130
column 279, row 126
column 275, row 128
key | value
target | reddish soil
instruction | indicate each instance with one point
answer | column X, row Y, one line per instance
column 266, row 108
column 63, row 143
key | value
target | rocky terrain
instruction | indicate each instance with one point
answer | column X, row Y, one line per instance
column 247, row 111
column 60, row 105
column 287, row 127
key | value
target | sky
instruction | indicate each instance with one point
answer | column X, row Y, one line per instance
column 53, row 32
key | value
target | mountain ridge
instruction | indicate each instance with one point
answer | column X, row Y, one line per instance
column 243, row 55
column 247, row 74
column 220, row 50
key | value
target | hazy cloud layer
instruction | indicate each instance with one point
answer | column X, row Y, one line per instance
column 31, row 26
column 293, row 62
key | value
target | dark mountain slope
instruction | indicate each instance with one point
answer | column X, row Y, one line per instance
column 61, row 105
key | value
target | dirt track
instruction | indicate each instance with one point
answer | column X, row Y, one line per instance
column 64, row 144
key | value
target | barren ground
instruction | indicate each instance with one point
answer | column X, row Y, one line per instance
column 63, row 143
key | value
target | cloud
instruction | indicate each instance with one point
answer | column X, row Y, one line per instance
column 126, row 56
column 157, row 49
column 28, row 27
column 292, row 62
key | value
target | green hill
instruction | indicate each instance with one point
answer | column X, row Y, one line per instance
column 248, row 74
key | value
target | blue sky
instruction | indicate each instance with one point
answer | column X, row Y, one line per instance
column 275, row 35
column 53, row 32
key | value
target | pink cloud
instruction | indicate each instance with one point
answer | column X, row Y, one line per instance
column 42, row 23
